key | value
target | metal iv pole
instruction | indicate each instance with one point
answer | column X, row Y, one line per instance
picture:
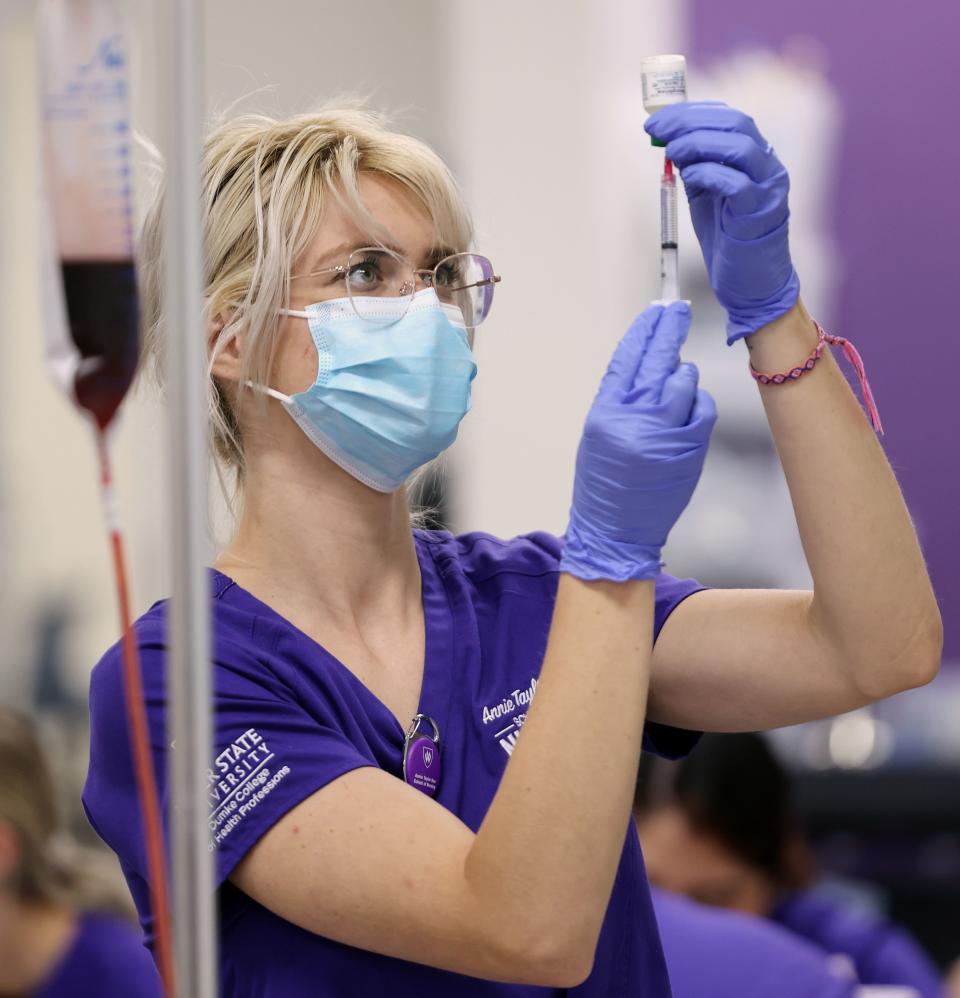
column 188, row 664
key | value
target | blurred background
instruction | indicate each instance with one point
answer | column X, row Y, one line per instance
column 537, row 109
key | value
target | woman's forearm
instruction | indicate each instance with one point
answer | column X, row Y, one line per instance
column 544, row 860
column 543, row 863
column 873, row 604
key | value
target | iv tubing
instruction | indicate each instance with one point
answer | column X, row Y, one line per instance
column 188, row 645
column 139, row 731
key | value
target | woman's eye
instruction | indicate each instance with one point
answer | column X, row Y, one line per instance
column 448, row 276
column 364, row 275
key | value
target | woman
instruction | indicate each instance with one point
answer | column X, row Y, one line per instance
column 59, row 935
column 347, row 864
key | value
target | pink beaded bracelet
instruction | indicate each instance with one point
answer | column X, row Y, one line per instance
column 808, row 365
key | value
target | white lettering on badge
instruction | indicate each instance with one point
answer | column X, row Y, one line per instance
column 509, row 715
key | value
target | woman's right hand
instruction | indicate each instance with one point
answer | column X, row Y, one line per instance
column 642, row 450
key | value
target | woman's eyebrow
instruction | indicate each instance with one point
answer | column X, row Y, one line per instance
column 335, row 253
column 435, row 254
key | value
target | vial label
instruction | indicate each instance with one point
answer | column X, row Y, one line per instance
column 668, row 87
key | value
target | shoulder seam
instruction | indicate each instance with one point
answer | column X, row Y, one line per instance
column 223, row 589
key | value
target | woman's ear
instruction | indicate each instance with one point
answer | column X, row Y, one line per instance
column 225, row 351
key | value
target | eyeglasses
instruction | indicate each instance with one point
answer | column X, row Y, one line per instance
column 463, row 279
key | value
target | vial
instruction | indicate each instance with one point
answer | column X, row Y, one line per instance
column 664, row 80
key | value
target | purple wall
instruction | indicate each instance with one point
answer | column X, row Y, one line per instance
column 897, row 224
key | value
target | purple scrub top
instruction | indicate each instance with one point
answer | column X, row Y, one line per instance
column 882, row 953
column 107, row 959
column 715, row 953
column 289, row 718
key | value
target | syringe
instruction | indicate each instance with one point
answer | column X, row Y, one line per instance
column 664, row 80
column 669, row 287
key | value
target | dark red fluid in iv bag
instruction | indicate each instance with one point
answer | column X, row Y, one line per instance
column 88, row 201
column 102, row 319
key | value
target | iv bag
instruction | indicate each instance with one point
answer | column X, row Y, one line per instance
column 90, row 299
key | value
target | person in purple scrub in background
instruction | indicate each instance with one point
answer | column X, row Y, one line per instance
column 719, row 827
column 426, row 744
column 60, row 935
column 713, row 953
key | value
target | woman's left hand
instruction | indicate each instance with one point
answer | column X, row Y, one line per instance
column 737, row 189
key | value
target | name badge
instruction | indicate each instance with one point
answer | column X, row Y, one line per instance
column 421, row 756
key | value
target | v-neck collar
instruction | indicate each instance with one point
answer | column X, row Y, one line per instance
column 436, row 686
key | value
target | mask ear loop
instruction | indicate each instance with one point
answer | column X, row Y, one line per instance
column 264, row 390
column 227, row 334
column 272, row 392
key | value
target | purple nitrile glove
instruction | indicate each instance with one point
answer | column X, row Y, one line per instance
column 737, row 189
column 641, row 453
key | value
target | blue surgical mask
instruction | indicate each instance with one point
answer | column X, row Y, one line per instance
column 389, row 393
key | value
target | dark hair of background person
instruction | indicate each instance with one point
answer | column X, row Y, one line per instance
column 733, row 788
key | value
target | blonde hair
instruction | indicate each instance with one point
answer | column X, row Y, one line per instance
column 264, row 184
column 52, row 868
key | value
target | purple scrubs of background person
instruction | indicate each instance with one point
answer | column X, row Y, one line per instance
column 106, row 959
column 715, row 953
column 289, row 718
column 881, row 952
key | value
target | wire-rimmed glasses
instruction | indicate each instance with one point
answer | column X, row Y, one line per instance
column 463, row 279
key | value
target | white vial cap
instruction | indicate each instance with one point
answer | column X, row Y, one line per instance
column 664, row 80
